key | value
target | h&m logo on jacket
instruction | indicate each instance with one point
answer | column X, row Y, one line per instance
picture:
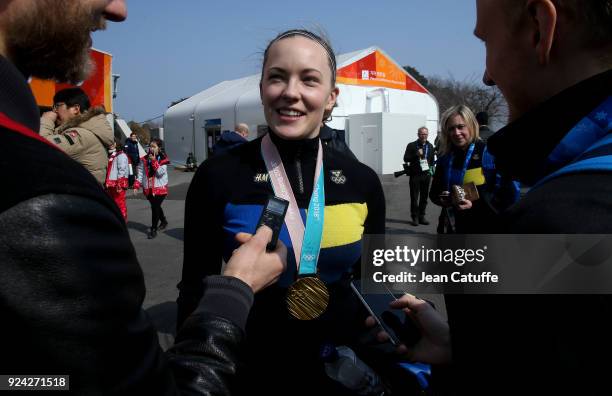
column 261, row 178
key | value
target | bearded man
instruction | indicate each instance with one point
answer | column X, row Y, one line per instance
column 71, row 288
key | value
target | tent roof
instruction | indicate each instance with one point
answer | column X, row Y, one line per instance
column 374, row 67
column 365, row 67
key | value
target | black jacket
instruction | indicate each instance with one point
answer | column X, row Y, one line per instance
column 71, row 288
column 411, row 155
column 334, row 139
column 544, row 344
column 485, row 133
column 227, row 141
column 226, row 196
column 131, row 149
column 480, row 218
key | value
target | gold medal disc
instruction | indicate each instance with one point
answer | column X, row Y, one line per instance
column 307, row 298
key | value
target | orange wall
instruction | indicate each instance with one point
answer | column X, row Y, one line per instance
column 98, row 86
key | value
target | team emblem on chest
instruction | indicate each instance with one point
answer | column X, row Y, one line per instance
column 337, row 177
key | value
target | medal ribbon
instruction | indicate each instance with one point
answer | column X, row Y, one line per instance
column 306, row 240
column 453, row 176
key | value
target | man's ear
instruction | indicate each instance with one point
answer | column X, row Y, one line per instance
column 77, row 109
column 543, row 14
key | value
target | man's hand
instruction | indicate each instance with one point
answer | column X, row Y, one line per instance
column 50, row 116
column 252, row 264
column 434, row 345
column 420, row 152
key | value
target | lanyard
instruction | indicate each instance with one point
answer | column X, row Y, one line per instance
column 306, row 241
column 426, row 149
column 453, row 176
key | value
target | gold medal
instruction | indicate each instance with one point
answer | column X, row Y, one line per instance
column 307, row 298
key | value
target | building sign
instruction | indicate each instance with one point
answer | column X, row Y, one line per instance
column 377, row 70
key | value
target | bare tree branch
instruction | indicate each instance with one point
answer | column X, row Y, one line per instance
column 478, row 97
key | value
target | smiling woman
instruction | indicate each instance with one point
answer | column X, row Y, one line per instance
column 334, row 201
column 298, row 85
column 465, row 164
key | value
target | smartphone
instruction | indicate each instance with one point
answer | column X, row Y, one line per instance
column 394, row 322
column 273, row 216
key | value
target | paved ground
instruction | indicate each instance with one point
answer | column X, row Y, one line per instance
column 162, row 257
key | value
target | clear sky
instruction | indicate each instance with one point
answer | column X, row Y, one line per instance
column 167, row 50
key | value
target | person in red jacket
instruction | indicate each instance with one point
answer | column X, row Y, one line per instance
column 153, row 178
column 117, row 173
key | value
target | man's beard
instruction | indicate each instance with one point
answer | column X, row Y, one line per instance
column 52, row 38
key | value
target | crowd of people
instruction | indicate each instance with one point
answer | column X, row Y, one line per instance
column 85, row 134
column 72, row 287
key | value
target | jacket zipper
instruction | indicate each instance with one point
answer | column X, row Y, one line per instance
column 298, row 168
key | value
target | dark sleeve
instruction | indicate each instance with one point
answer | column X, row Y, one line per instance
column 436, row 184
column 375, row 222
column 206, row 352
column 72, row 291
column 203, row 240
column 410, row 153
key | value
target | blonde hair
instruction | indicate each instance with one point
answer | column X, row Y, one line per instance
column 470, row 122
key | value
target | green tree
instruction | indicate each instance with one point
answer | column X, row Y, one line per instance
column 144, row 135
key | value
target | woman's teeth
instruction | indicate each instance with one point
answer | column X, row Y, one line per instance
column 290, row 113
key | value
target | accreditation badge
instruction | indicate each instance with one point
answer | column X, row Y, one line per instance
column 424, row 165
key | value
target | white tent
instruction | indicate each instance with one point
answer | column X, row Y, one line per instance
column 370, row 82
